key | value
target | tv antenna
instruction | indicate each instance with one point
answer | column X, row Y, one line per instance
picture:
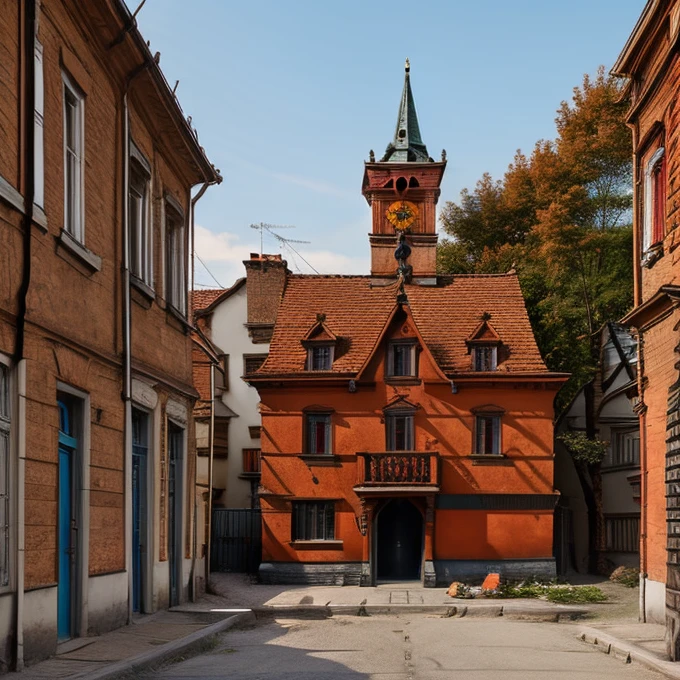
column 285, row 242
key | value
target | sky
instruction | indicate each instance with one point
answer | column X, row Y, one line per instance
column 289, row 97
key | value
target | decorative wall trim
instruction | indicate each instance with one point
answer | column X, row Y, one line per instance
column 497, row 501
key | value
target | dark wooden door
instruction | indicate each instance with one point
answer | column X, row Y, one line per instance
column 400, row 541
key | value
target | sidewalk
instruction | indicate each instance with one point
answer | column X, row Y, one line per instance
column 149, row 641
column 155, row 639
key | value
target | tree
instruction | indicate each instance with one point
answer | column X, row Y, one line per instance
column 562, row 218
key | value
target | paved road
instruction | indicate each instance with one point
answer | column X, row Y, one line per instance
column 405, row 648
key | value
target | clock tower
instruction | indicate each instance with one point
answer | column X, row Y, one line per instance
column 402, row 189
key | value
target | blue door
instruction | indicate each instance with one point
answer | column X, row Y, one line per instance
column 139, row 507
column 66, row 526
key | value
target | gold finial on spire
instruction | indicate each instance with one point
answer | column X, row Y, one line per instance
column 407, row 67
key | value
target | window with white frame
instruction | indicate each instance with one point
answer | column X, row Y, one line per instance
column 625, row 447
column 320, row 358
column 313, row 521
column 74, row 120
column 401, row 359
column 484, row 357
column 139, row 206
column 38, row 129
column 175, row 260
column 654, row 200
column 4, row 474
column 318, row 433
column 399, row 431
column 488, row 434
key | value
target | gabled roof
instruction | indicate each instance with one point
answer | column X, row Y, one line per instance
column 320, row 332
column 358, row 308
column 204, row 301
column 484, row 332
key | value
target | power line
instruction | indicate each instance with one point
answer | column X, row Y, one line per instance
column 209, row 272
column 285, row 242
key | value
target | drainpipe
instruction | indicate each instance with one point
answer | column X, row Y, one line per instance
column 643, row 484
column 211, row 450
column 127, row 332
column 20, row 538
column 192, row 208
column 18, row 359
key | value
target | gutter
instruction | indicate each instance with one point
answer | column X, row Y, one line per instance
column 19, row 362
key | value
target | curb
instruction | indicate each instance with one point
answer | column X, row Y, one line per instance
column 185, row 645
column 627, row 651
column 444, row 611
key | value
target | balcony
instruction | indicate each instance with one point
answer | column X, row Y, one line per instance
column 397, row 472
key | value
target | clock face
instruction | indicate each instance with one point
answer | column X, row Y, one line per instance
column 402, row 214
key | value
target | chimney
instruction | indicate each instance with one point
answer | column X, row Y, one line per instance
column 265, row 283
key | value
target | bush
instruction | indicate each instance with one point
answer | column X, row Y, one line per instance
column 576, row 594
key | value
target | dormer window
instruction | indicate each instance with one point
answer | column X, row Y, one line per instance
column 485, row 357
column 320, row 357
column 483, row 344
column 320, row 343
column 401, row 359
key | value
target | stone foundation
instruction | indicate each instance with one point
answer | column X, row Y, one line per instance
column 477, row 570
column 311, row 574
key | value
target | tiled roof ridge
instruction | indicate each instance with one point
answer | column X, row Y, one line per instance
column 382, row 278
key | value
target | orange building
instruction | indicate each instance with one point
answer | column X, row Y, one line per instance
column 407, row 418
column 651, row 62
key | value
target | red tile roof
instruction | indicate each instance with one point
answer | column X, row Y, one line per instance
column 200, row 299
column 357, row 309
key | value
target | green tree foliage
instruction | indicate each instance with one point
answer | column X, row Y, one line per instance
column 562, row 218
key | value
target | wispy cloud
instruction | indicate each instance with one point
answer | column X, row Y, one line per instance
column 316, row 185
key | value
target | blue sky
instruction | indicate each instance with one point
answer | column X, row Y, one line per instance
column 289, row 97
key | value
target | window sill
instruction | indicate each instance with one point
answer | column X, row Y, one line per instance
column 619, row 467
column 320, row 459
column 250, row 475
column 79, row 251
column 316, row 545
column 402, row 380
column 178, row 316
column 144, row 288
column 39, row 218
column 490, row 459
column 652, row 255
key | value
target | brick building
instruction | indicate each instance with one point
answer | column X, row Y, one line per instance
column 650, row 61
column 97, row 163
column 407, row 418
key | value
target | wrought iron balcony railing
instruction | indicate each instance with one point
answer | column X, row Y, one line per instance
column 398, row 468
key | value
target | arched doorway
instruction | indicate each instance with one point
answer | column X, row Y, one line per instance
column 400, row 541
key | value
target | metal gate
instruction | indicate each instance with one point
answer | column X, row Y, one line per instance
column 236, row 540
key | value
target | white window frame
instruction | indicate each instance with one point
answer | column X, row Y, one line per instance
column 39, row 128
column 141, row 228
column 409, row 429
column 175, row 258
column 410, row 345
column 494, row 357
column 310, row 357
column 648, row 201
column 74, row 219
column 312, row 418
column 5, row 475
column 480, row 434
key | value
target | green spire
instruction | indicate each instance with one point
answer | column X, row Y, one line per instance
column 407, row 145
